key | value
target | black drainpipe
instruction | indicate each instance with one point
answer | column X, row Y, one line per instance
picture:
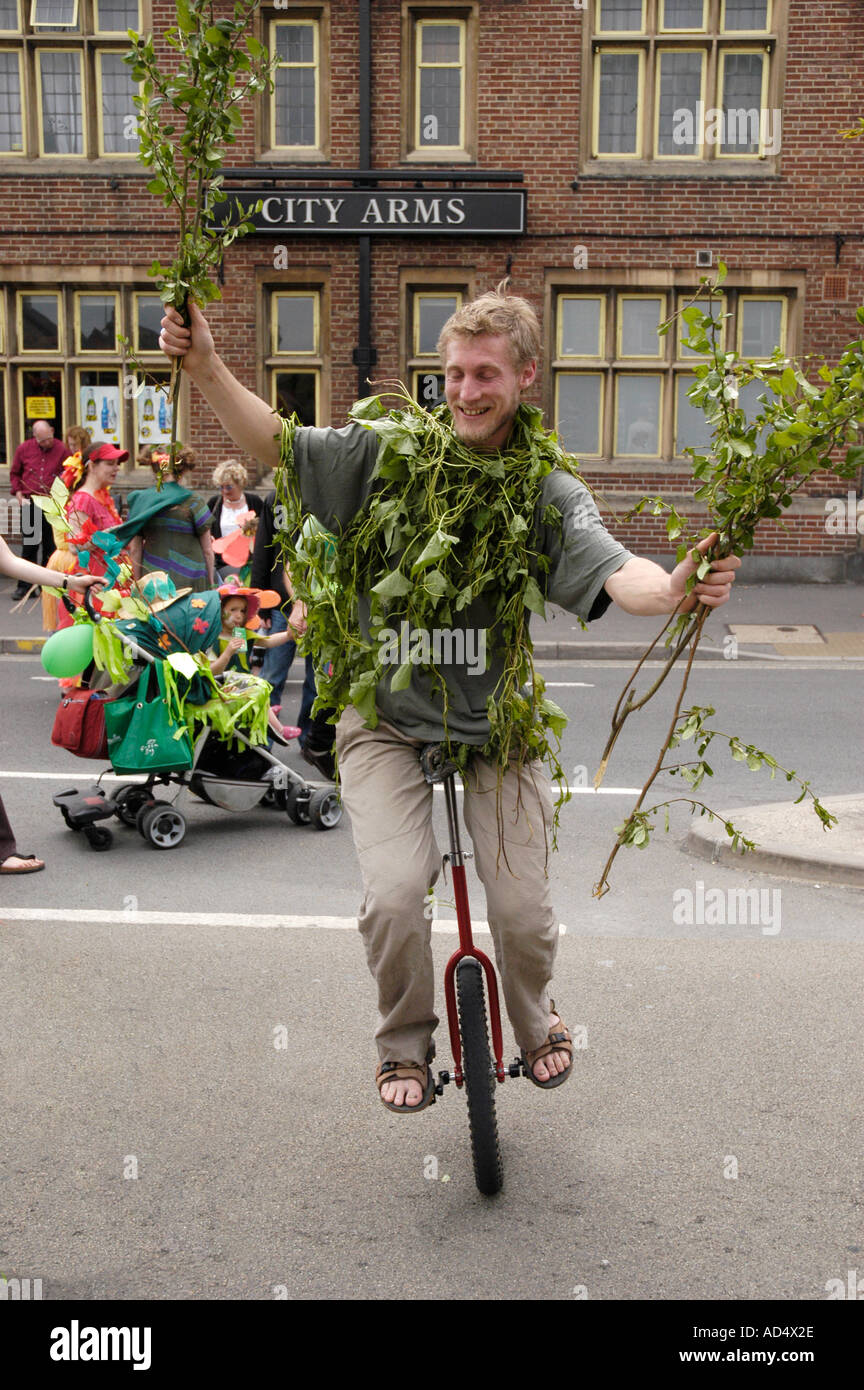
column 365, row 356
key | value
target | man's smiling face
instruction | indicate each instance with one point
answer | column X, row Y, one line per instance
column 483, row 388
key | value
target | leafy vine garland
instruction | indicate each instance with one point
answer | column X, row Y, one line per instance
column 444, row 525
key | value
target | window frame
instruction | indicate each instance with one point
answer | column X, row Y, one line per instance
column 9, row 33
column 77, row 296
column 283, row 23
column 618, row 376
column 25, row 423
column 302, row 280
column 601, row 405
column 37, row 27
column 20, row 296
column 275, row 296
column 621, row 298
column 640, row 95
column 601, row 331
column 619, row 33
column 679, row 287
column 132, row 152
column 147, row 353
column 722, row 55
column 65, row 283
column 703, row 87
column 714, row 41
column 89, row 43
column 22, row 85
column 414, row 13
column 432, row 280
column 264, row 109
column 40, row 115
column 769, row 21
column 419, row 67
column 417, row 294
column 669, row 29
column 784, row 318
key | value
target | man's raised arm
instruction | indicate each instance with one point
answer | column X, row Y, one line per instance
column 251, row 422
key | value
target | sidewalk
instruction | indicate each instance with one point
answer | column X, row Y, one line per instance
column 783, row 623
column 820, row 621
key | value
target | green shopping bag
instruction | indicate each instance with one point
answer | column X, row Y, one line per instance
column 143, row 735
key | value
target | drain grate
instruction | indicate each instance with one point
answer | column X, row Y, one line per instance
column 788, row 634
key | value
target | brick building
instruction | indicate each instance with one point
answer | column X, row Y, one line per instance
column 410, row 155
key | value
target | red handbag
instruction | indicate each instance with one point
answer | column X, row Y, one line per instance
column 79, row 724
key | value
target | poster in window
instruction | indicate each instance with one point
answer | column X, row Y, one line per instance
column 100, row 413
column 154, row 415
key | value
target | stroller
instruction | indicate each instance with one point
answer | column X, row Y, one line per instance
column 220, row 774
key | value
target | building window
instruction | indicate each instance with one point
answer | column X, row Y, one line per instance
column 691, row 82
column 62, row 358
column 295, row 357
column 96, row 319
column 295, row 116
column 620, row 388
column 439, row 83
column 428, row 312
column 147, row 312
column 65, row 91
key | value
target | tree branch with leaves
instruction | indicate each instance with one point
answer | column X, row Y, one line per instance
column 188, row 114
column 750, row 475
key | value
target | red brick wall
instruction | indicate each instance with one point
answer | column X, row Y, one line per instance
column 528, row 119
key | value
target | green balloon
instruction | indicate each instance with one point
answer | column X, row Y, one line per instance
column 68, row 651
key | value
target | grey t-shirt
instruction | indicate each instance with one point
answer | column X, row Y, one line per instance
column 334, row 470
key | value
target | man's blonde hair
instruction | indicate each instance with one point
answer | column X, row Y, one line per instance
column 501, row 315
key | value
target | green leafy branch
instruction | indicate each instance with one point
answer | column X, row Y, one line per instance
column 636, row 829
column 751, row 474
column 187, row 115
column 446, row 536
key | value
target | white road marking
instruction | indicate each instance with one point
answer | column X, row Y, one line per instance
column 260, row 920
column 76, row 776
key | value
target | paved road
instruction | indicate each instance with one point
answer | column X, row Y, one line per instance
column 138, row 1045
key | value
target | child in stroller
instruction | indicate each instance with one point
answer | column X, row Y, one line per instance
column 240, row 622
column 216, row 745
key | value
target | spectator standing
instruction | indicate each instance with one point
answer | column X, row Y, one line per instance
column 232, row 499
column 268, row 572
column 36, row 464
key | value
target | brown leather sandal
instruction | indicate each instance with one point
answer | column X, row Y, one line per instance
column 30, row 864
column 408, row 1071
column 559, row 1041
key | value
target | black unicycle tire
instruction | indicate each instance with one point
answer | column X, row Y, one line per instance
column 479, row 1077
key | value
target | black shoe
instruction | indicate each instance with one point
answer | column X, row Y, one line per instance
column 321, row 758
column 20, row 591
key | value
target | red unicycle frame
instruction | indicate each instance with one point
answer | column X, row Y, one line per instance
column 457, row 857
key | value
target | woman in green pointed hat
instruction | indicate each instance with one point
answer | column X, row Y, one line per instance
column 168, row 528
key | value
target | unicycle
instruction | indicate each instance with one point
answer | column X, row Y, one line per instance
column 475, row 1065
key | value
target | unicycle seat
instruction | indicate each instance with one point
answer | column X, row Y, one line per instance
column 436, row 766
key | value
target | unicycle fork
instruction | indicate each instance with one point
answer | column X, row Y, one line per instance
column 474, row 1066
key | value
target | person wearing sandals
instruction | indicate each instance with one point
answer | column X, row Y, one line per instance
column 489, row 350
column 11, row 862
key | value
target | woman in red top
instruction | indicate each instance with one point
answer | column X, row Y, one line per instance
column 90, row 508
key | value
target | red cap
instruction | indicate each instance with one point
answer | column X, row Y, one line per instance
column 107, row 453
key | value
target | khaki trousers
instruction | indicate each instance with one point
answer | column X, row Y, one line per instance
column 390, row 804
